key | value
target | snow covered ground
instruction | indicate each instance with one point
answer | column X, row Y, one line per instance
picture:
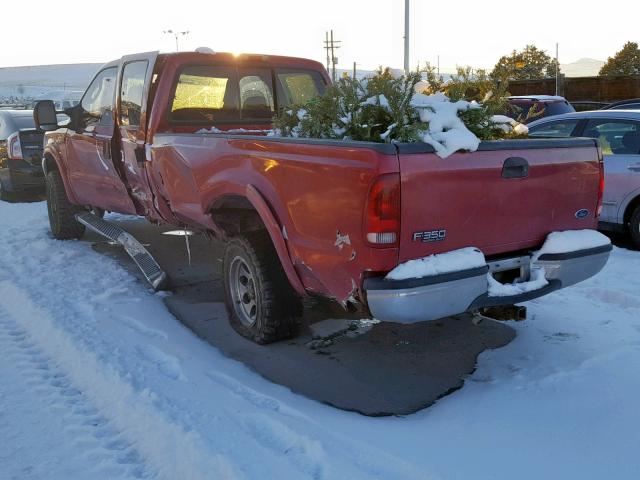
column 98, row 380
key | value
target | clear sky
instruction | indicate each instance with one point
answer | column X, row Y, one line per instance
column 462, row 32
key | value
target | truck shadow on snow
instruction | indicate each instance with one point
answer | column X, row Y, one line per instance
column 339, row 358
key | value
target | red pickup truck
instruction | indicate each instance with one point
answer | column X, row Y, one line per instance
column 178, row 138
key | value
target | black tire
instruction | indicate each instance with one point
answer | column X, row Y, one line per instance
column 634, row 227
column 263, row 307
column 62, row 220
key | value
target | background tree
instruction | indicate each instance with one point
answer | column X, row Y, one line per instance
column 624, row 62
column 527, row 64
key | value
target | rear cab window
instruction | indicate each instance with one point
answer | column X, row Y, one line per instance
column 295, row 86
column 256, row 93
column 206, row 94
column 215, row 95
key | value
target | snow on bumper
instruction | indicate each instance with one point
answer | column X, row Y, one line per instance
column 437, row 295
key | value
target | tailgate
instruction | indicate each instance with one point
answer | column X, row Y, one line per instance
column 506, row 196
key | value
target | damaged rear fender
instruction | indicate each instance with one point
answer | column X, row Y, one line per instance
column 277, row 238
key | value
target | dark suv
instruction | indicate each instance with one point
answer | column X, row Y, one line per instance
column 527, row 108
column 20, row 155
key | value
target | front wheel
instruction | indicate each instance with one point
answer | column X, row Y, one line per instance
column 634, row 227
column 62, row 213
column 261, row 304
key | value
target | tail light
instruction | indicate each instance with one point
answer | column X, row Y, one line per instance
column 600, row 185
column 382, row 213
column 14, row 149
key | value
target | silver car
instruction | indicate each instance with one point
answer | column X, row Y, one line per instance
column 618, row 132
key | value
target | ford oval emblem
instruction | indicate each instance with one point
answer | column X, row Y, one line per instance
column 582, row 213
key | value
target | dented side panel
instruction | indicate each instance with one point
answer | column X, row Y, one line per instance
column 317, row 194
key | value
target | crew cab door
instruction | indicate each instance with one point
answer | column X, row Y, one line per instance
column 135, row 80
column 94, row 177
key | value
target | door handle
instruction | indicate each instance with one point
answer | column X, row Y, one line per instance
column 515, row 167
column 634, row 167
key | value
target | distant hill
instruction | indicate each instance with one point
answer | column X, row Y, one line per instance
column 34, row 81
column 585, row 67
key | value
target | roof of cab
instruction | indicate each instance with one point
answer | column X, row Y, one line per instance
column 242, row 58
column 248, row 58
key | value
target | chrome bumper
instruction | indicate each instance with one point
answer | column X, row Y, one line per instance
column 429, row 298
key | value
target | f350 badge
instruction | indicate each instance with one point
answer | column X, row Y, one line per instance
column 430, row 236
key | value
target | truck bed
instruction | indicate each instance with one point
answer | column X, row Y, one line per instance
column 317, row 191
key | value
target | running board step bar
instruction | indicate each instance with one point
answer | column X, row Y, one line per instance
column 145, row 261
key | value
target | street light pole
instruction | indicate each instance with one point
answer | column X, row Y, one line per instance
column 406, row 37
column 175, row 35
column 557, row 67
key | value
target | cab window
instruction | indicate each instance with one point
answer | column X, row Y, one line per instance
column 256, row 93
column 206, row 94
column 296, row 86
column 131, row 93
column 97, row 102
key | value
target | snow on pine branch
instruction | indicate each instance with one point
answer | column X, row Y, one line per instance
column 388, row 109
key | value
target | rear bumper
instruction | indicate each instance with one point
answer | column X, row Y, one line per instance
column 28, row 179
column 429, row 298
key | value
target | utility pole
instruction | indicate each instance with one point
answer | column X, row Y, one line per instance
column 331, row 45
column 406, row 37
column 438, row 65
column 326, row 47
column 354, row 70
column 557, row 68
column 176, row 35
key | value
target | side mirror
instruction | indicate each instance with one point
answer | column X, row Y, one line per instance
column 44, row 115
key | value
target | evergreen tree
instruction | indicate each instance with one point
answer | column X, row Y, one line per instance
column 527, row 64
column 624, row 62
column 385, row 108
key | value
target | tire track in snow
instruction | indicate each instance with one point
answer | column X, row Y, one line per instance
column 105, row 452
column 210, row 431
column 165, row 446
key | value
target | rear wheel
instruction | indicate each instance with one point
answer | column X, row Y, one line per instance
column 62, row 212
column 634, row 227
column 261, row 304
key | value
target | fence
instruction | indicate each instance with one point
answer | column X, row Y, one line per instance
column 576, row 89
